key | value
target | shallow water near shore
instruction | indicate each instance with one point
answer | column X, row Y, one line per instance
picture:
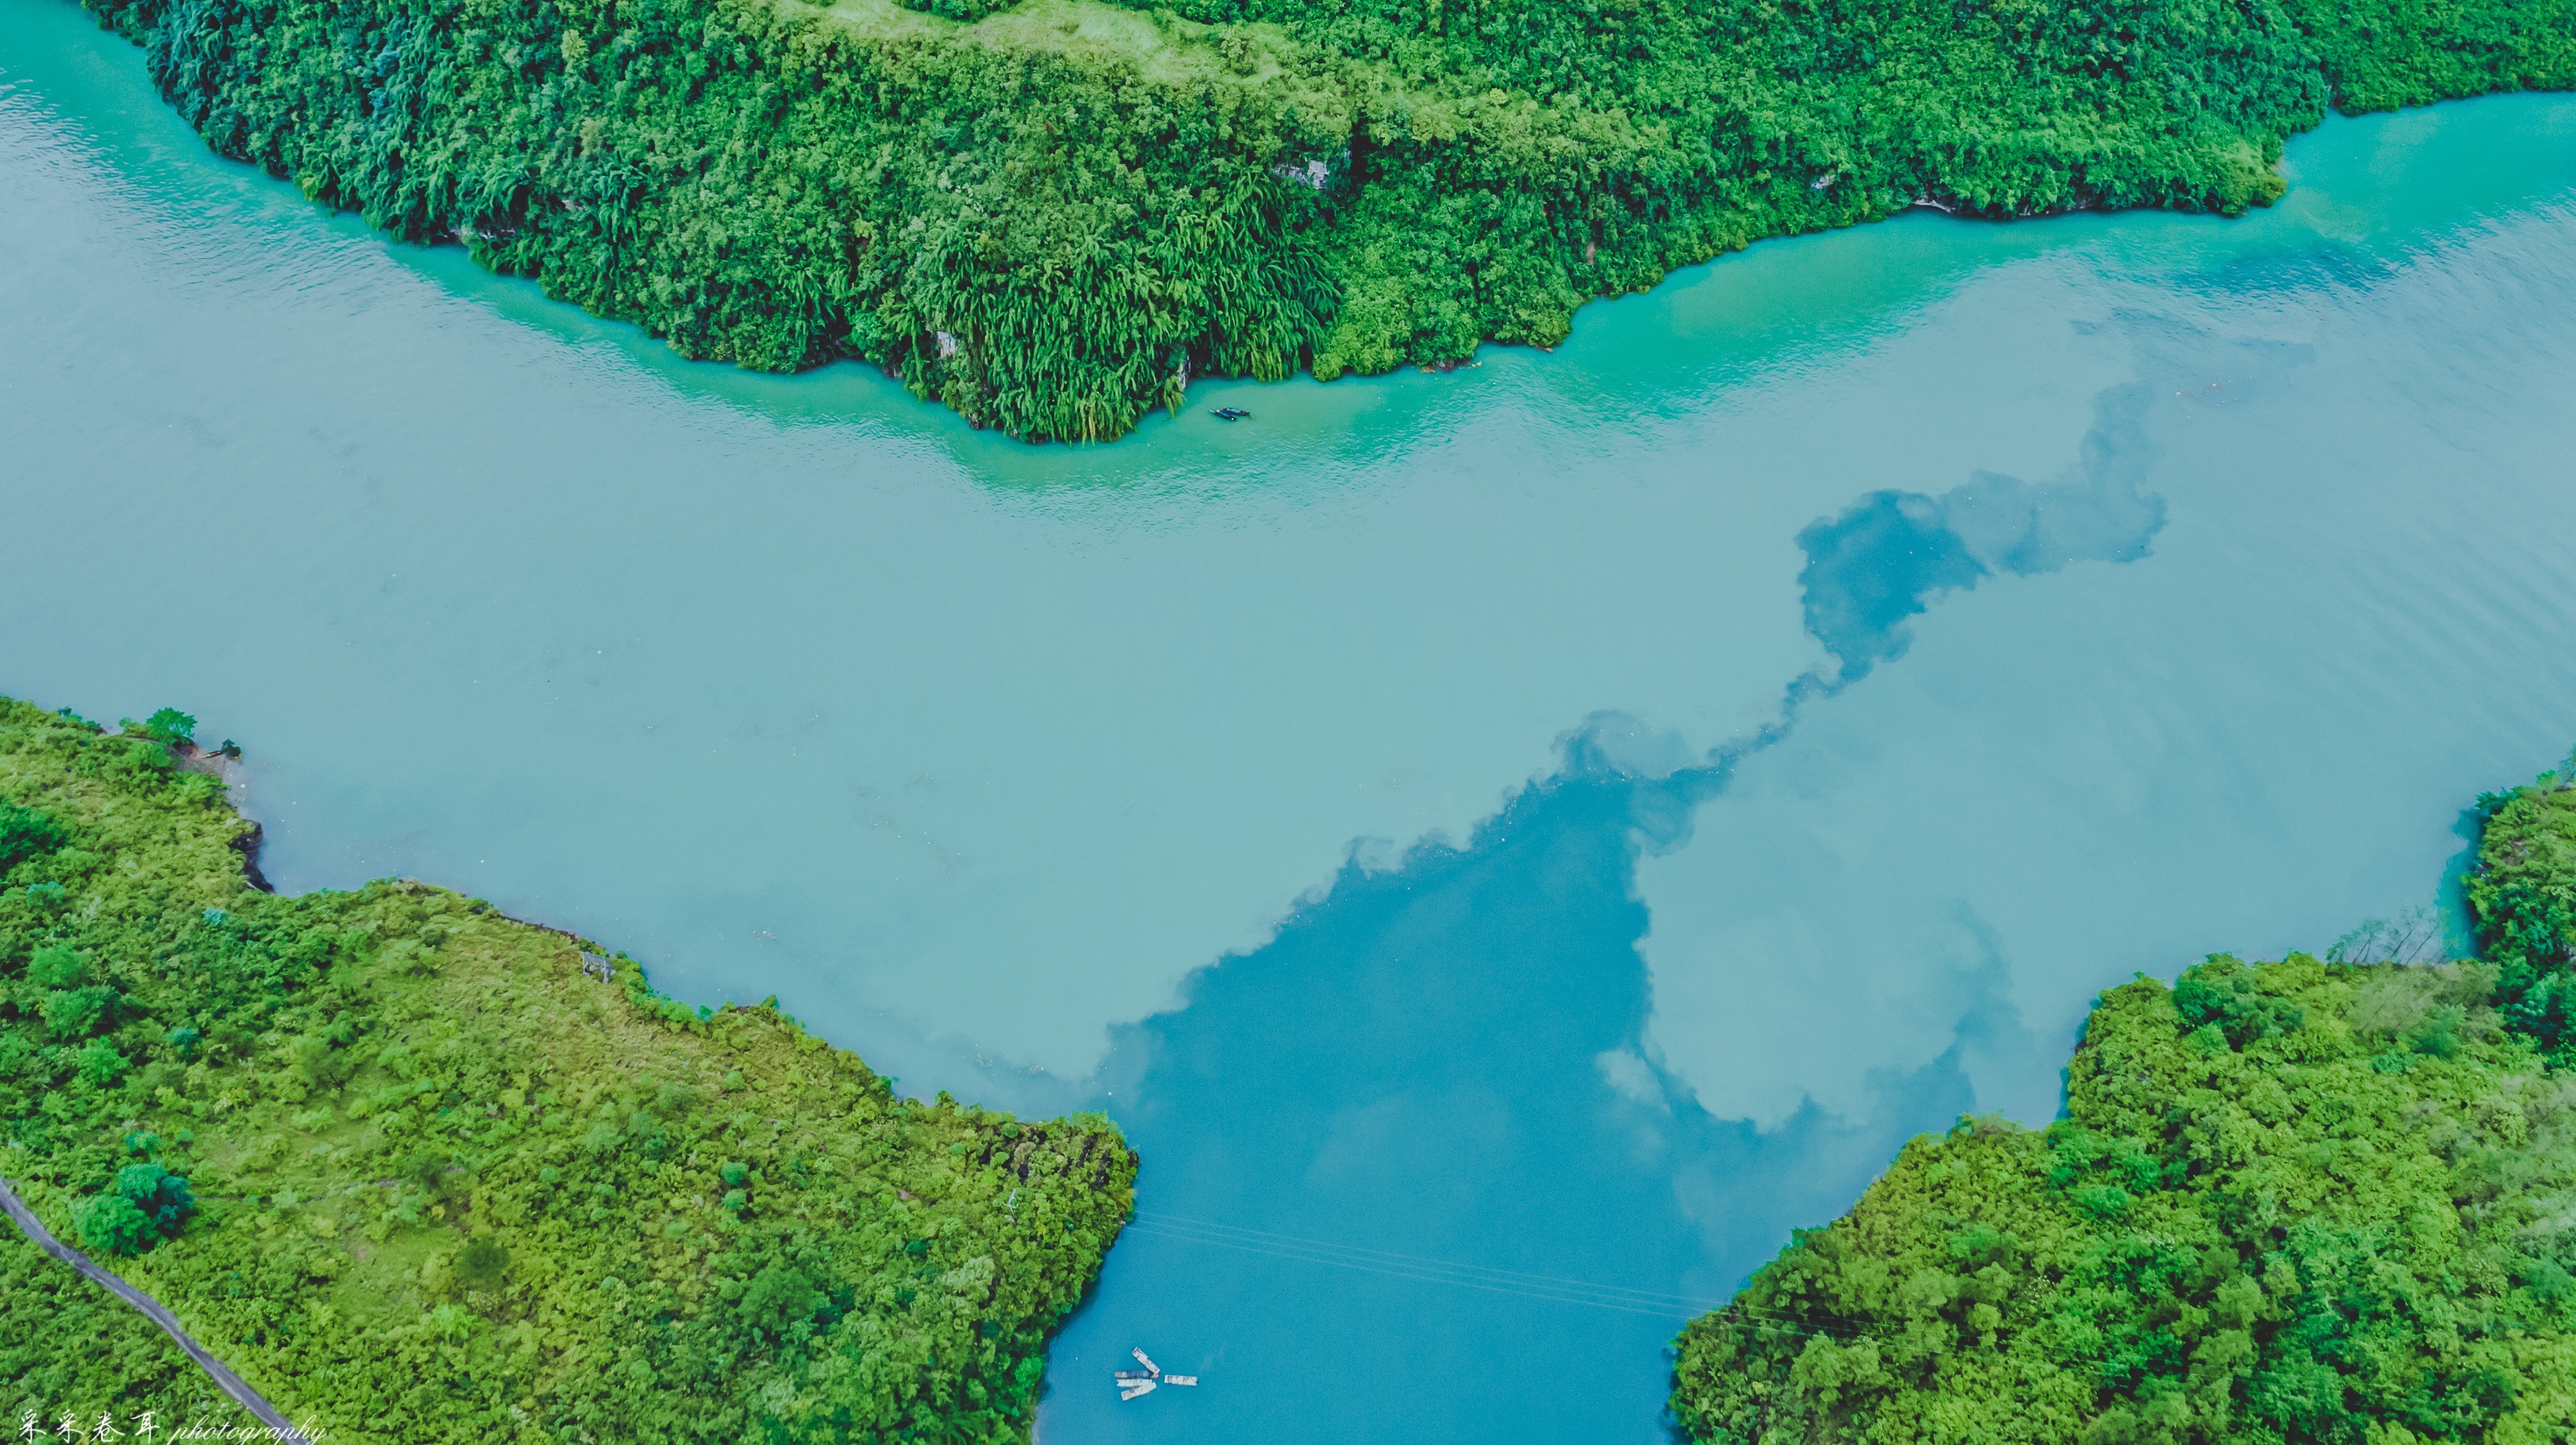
column 1508, row 846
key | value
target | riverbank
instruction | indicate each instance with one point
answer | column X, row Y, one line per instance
column 416, row 1170
column 2308, row 1200
column 1631, row 501
column 1053, row 217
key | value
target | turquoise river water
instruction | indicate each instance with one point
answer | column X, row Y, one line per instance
column 1507, row 846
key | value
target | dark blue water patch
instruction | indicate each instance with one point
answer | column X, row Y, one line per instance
column 1874, row 566
column 1415, row 1146
column 1412, row 1170
column 1888, row 555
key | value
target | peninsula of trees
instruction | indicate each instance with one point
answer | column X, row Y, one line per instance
column 2304, row 1201
column 422, row 1173
column 1050, row 215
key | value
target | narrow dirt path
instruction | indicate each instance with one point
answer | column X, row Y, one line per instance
column 249, row 1399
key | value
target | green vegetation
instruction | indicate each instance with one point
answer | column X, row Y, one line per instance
column 418, row 1177
column 1048, row 215
column 67, row 1344
column 2299, row 1201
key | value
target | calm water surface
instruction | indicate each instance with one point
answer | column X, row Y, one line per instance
column 1507, row 846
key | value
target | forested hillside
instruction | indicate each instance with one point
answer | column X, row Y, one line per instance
column 418, row 1176
column 2328, row 1201
column 1049, row 215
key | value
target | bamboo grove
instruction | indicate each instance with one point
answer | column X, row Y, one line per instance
column 1051, row 215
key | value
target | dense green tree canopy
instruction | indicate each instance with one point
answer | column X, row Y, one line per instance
column 419, row 1177
column 1049, row 214
column 2298, row 1201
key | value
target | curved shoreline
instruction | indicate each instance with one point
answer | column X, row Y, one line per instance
column 1051, row 228
column 467, row 1167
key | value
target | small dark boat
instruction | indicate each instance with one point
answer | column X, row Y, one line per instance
column 1231, row 413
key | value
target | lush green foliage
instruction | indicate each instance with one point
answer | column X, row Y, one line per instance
column 418, row 1177
column 2301, row 1201
column 1050, row 217
column 26, row 832
column 2523, row 895
column 144, row 1205
column 66, row 1343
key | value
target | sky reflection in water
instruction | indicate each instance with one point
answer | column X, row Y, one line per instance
column 2058, row 600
